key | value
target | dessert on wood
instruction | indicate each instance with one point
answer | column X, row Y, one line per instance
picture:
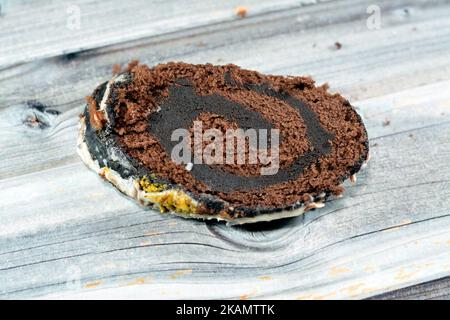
column 221, row 142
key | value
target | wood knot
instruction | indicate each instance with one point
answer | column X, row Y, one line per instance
column 71, row 56
column 38, row 115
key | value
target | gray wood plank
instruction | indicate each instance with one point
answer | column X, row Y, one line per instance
column 65, row 233
column 357, row 246
column 307, row 35
column 63, row 84
column 31, row 30
column 433, row 290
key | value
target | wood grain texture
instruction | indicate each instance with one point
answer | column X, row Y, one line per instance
column 33, row 30
column 433, row 290
column 65, row 233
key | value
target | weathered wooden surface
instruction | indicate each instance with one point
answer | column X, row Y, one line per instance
column 65, row 233
column 54, row 27
column 433, row 290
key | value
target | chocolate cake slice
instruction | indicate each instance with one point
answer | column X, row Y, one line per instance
column 308, row 141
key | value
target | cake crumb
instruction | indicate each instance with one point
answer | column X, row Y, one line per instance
column 96, row 117
column 121, row 131
column 325, row 86
column 116, row 69
column 241, row 12
column 338, row 45
column 386, row 122
column 132, row 65
column 338, row 191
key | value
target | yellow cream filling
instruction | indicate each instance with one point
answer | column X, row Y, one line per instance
column 170, row 200
column 173, row 200
column 149, row 186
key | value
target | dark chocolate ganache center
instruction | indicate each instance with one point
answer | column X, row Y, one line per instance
column 183, row 105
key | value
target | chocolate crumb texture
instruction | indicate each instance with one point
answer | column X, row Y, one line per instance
column 322, row 139
column 117, row 68
column 96, row 117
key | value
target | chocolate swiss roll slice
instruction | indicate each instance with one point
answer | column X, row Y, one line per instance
column 221, row 142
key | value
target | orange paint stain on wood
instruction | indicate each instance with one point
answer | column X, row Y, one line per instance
column 180, row 273
column 136, row 282
column 335, row 271
column 93, row 284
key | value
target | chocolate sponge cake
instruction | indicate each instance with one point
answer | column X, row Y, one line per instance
column 305, row 141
